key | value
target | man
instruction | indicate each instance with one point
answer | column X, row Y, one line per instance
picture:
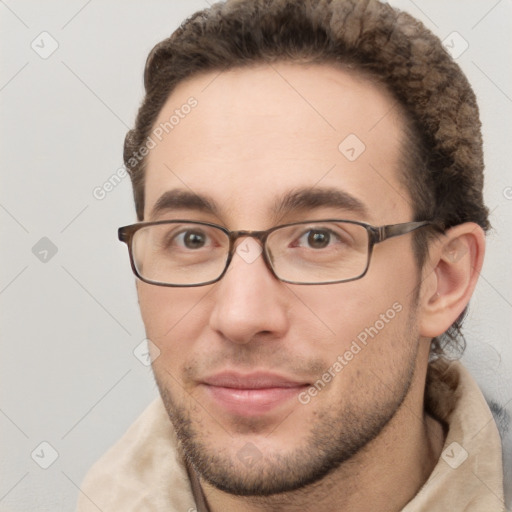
column 308, row 185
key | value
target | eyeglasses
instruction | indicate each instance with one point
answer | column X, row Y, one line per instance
column 188, row 253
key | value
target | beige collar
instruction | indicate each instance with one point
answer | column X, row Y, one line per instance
column 469, row 474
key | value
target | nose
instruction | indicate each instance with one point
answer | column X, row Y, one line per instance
column 249, row 302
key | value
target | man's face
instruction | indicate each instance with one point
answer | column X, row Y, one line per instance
column 272, row 385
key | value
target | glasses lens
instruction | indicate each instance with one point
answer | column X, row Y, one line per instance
column 318, row 252
column 180, row 253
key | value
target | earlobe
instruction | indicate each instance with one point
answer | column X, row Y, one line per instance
column 455, row 261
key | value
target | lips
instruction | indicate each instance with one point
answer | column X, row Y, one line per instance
column 251, row 394
column 258, row 380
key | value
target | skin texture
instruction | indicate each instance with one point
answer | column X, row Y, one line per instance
column 364, row 439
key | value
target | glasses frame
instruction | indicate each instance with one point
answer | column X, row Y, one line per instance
column 376, row 234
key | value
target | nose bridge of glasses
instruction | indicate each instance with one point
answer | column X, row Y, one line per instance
column 234, row 236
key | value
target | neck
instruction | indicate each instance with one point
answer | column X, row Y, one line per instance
column 385, row 475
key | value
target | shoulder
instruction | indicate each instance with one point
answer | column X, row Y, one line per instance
column 142, row 471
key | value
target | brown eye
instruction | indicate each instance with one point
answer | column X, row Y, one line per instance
column 319, row 239
column 193, row 239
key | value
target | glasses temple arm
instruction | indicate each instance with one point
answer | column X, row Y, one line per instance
column 392, row 230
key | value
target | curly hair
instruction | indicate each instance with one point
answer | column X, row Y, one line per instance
column 443, row 156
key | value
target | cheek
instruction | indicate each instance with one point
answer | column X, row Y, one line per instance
column 371, row 341
column 170, row 315
column 363, row 309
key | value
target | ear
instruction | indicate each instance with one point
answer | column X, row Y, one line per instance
column 450, row 276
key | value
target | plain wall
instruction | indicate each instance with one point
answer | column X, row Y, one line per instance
column 69, row 313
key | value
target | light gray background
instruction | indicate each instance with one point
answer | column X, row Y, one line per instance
column 70, row 324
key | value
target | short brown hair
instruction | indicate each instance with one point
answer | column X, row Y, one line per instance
column 444, row 157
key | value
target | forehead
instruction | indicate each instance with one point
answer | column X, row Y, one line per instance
column 254, row 134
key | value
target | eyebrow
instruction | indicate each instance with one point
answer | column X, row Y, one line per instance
column 315, row 198
column 183, row 200
column 299, row 200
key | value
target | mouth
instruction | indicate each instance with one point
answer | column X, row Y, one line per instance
column 251, row 394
